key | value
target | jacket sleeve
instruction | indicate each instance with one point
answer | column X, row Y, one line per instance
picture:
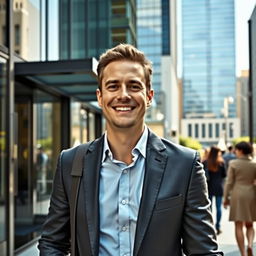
column 199, row 236
column 55, row 239
column 229, row 182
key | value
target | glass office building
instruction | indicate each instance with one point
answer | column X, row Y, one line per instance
column 48, row 58
column 149, row 38
column 88, row 28
column 208, row 56
column 252, row 78
column 156, row 37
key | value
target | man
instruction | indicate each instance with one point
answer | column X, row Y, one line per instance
column 139, row 195
column 228, row 156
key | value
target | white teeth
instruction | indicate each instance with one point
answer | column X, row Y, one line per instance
column 123, row 108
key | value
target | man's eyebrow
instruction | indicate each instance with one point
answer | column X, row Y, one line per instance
column 135, row 81
column 114, row 81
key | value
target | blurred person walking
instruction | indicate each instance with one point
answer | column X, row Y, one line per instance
column 215, row 173
column 205, row 154
column 229, row 155
column 240, row 194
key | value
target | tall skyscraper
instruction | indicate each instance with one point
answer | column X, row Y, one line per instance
column 156, row 36
column 208, row 73
column 208, row 39
column 252, row 79
column 88, row 28
column 149, row 37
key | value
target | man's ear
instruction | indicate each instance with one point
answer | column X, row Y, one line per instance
column 150, row 95
column 99, row 97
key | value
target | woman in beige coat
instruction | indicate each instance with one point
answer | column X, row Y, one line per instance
column 240, row 194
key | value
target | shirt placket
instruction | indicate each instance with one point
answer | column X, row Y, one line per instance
column 124, row 225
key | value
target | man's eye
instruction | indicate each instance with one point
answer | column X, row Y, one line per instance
column 112, row 87
column 135, row 87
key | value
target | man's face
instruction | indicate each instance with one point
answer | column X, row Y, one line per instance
column 123, row 96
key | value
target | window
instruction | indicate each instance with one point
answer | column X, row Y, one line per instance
column 217, row 130
column 196, row 131
column 3, row 85
column 210, row 130
column 203, row 130
column 3, row 41
column 3, row 30
column 231, row 130
column 38, row 133
column 17, row 34
column 189, row 130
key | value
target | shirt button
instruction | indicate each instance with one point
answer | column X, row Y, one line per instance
column 125, row 171
column 124, row 228
column 124, row 202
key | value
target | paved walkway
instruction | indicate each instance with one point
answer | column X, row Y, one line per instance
column 226, row 239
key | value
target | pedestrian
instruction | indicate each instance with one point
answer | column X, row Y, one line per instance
column 229, row 155
column 139, row 194
column 240, row 194
column 205, row 154
column 215, row 173
column 41, row 167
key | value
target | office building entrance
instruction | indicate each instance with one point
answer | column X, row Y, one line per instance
column 37, row 131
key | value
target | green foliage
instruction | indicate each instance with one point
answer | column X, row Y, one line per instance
column 45, row 143
column 2, row 143
column 239, row 139
column 190, row 143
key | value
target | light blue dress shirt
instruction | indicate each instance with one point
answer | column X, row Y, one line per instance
column 119, row 199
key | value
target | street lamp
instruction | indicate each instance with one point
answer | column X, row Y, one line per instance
column 227, row 101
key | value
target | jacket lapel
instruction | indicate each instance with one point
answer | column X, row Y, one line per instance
column 155, row 165
column 92, row 163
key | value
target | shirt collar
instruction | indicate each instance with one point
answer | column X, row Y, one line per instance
column 140, row 146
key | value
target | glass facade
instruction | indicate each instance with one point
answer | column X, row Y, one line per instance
column 149, row 37
column 35, row 120
column 123, row 22
column 84, row 28
column 166, row 27
column 252, row 83
column 39, row 143
column 3, row 125
column 89, row 27
column 3, row 30
column 3, row 202
column 208, row 56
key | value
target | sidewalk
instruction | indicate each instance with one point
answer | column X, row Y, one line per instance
column 227, row 240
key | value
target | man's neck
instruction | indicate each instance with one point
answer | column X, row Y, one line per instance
column 122, row 141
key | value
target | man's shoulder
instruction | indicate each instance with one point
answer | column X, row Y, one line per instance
column 87, row 145
column 171, row 147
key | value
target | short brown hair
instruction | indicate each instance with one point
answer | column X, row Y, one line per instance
column 125, row 52
column 245, row 147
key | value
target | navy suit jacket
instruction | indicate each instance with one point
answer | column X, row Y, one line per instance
column 174, row 215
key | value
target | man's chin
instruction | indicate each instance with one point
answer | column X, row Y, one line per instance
column 123, row 124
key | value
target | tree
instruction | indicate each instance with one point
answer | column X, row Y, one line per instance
column 190, row 142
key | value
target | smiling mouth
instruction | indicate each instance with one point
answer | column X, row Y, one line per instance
column 123, row 109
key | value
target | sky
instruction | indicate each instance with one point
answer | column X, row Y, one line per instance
column 243, row 12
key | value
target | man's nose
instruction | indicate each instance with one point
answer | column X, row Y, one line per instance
column 123, row 92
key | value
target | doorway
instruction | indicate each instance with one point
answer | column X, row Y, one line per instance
column 38, row 139
column 25, row 226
